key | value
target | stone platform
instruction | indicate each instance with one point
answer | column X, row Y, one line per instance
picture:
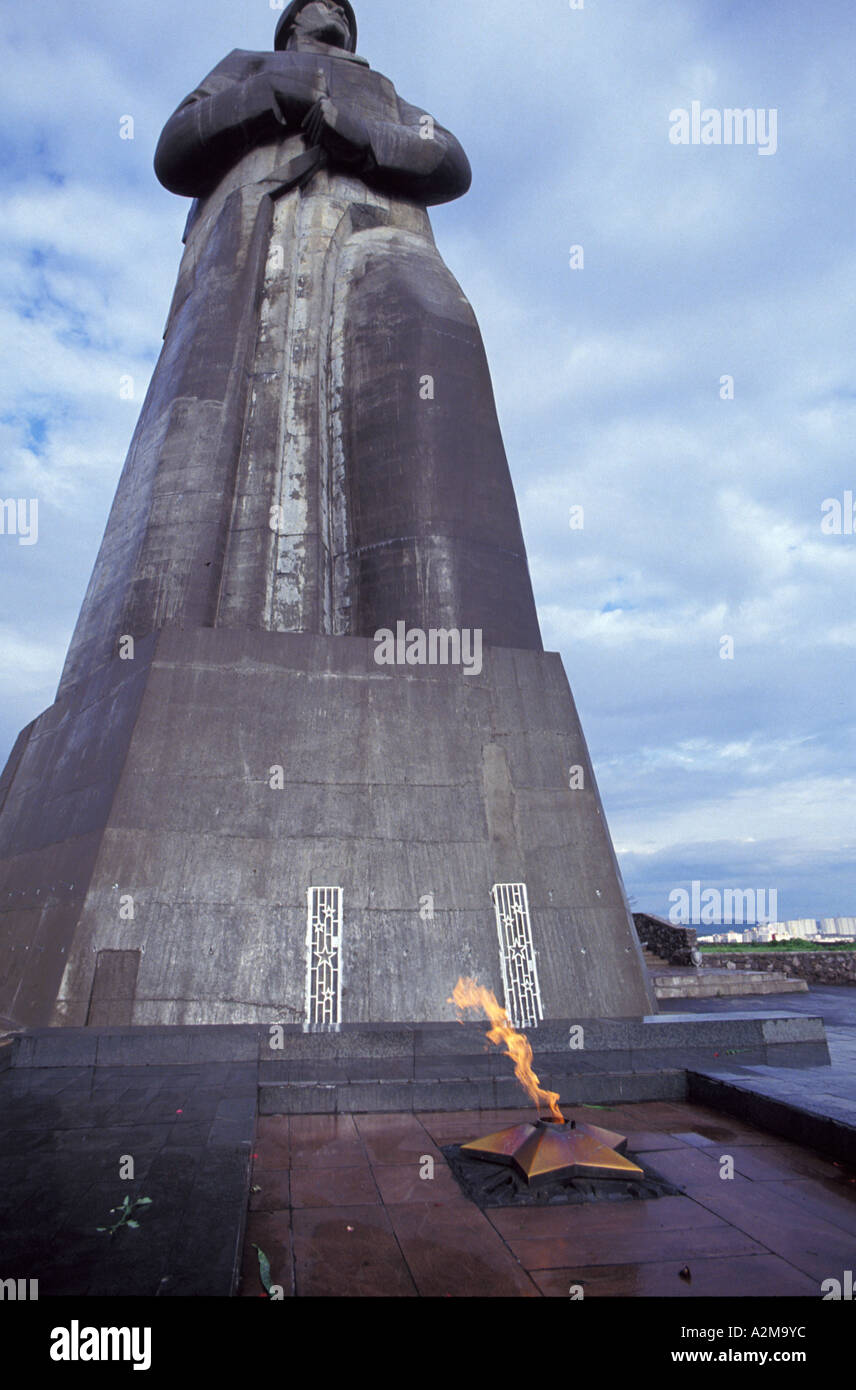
column 813, row 1105
column 189, row 1105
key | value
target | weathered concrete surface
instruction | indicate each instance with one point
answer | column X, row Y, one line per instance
column 56, row 796
column 400, row 782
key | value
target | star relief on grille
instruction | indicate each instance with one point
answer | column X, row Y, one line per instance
column 324, row 957
column 517, row 954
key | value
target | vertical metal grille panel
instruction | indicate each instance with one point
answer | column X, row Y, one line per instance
column 324, row 957
column 517, row 954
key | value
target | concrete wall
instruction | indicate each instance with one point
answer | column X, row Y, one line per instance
column 56, row 796
column 400, row 783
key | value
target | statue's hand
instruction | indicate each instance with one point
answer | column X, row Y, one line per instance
column 288, row 99
column 343, row 136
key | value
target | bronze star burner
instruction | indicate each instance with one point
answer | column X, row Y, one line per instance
column 546, row 1150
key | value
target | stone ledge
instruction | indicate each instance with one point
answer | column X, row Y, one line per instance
column 826, row 1125
column 464, row 1093
column 621, row 1042
column 722, row 985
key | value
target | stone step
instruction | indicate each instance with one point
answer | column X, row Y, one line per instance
column 454, row 1069
column 555, row 1071
column 463, row 1093
column 752, row 984
column 7, row 1047
column 793, row 1108
column 404, row 1057
column 675, row 976
column 714, row 984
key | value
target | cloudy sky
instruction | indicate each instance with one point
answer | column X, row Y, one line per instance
column 702, row 515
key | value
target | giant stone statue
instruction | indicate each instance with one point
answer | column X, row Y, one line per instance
column 311, row 310
column 233, row 812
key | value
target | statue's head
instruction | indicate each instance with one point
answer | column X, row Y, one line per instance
column 322, row 21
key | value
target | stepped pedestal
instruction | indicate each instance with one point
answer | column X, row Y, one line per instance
column 254, row 827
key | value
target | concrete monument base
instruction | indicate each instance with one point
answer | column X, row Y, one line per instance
column 162, row 827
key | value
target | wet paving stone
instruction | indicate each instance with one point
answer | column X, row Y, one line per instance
column 66, row 1139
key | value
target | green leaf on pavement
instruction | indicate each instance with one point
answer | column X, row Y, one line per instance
column 264, row 1268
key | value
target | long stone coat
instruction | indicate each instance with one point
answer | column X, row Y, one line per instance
column 319, row 449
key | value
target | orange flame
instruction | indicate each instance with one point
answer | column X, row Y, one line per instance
column 467, row 994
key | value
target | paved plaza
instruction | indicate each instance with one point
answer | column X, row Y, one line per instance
column 341, row 1209
column 340, row 1206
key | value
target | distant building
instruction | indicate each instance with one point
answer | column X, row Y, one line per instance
column 802, row 928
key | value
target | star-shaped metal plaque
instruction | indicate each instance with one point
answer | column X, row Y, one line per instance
column 544, row 1151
